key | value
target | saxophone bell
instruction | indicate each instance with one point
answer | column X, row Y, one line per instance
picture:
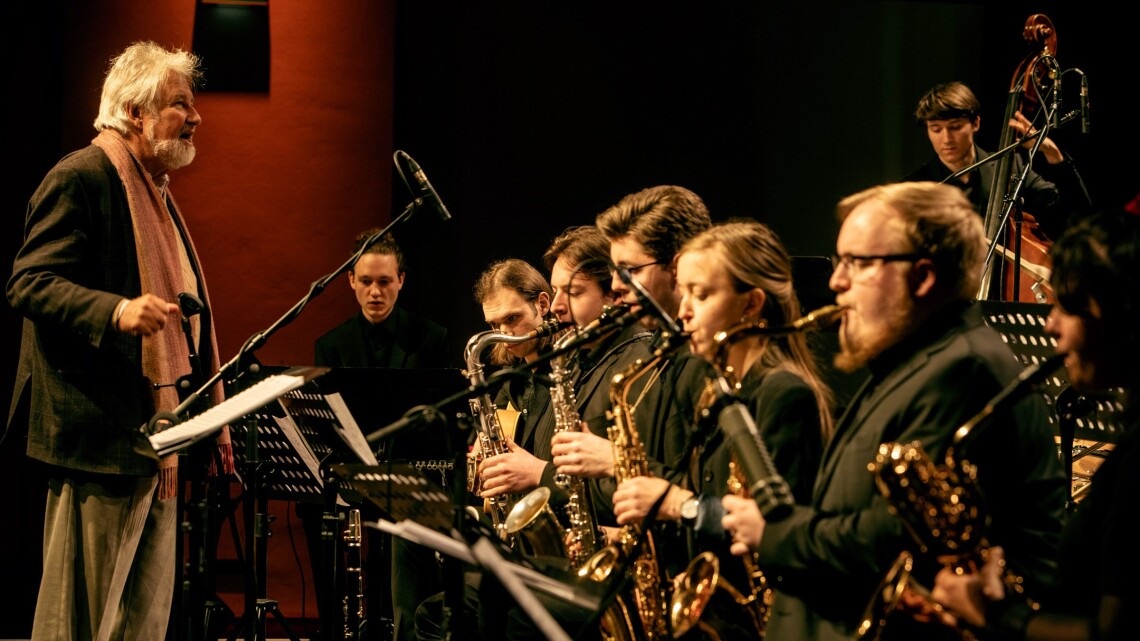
column 943, row 509
column 702, row 579
column 535, row 525
column 693, row 591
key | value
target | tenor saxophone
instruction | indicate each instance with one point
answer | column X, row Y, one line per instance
column 634, row 543
column 694, row 587
column 942, row 507
column 491, row 436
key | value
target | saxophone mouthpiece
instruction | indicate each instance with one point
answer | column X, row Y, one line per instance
column 820, row 318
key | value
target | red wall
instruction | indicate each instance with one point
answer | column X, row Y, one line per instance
column 283, row 180
column 282, row 183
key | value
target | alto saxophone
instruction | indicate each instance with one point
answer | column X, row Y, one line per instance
column 635, row 544
column 702, row 578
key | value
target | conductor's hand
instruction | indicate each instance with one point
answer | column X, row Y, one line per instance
column 515, row 471
column 146, row 315
column 742, row 520
column 582, row 454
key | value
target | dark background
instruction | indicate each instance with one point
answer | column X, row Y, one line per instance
column 528, row 118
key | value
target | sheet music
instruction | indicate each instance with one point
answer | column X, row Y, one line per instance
column 349, row 430
column 455, row 548
column 212, row 420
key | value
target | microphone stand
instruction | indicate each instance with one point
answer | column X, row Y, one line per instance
column 253, row 620
column 456, row 436
column 192, row 609
column 1012, row 197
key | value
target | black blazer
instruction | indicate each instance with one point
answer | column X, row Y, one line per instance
column 825, row 559
column 79, row 379
column 420, row 343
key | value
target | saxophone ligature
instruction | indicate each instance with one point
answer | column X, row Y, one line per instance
column 943, row 509
column 694, row 587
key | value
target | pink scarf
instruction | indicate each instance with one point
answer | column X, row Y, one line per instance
column 165, row 354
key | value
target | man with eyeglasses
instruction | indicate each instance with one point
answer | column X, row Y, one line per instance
column 908, row 258
column 646, row 229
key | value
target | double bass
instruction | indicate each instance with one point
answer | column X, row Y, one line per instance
column 1023, row 260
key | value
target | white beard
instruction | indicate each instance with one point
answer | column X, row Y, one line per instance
column 174, row 153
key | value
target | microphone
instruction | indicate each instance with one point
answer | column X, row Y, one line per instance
column 1084, row 104
column 648, row 301
column 426, row 194
column 190, row 305
column 1029, row 378
column 1055, row 108
column 769, row 489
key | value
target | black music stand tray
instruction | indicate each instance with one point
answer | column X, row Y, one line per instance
column 422, row 512
column 308, row 429
column 1022, row 327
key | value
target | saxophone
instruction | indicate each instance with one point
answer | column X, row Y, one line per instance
column 635, row 544
column 492, row 438
column 582, row 533
column 702, row 578
column 943, row 509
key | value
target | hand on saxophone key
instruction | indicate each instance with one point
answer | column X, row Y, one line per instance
column 742, row 520
column 513, row 472
column 966, row 595
column 582, row 454
column 634, row 498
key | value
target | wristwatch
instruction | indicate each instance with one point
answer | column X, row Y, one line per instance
column 690, row 510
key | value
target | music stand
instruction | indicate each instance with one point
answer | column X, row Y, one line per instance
column 308, row 429
column 399, row 490
column 1022, row 327
column 420, row 511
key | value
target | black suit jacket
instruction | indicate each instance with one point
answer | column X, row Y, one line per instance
column 827, row 557
column 419, row 343
column 79, row 380
column 1053, row 197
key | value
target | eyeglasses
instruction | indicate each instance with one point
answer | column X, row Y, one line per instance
column 633, row 270
column 856, row 264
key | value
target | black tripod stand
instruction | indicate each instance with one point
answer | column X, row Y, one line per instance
column 255, row 512
column 198, row 605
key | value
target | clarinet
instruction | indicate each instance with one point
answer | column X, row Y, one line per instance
column 354, row 579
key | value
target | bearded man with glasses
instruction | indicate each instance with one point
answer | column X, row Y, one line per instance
column 909, row 257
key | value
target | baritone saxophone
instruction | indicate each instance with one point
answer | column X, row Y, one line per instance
column 943, row 508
